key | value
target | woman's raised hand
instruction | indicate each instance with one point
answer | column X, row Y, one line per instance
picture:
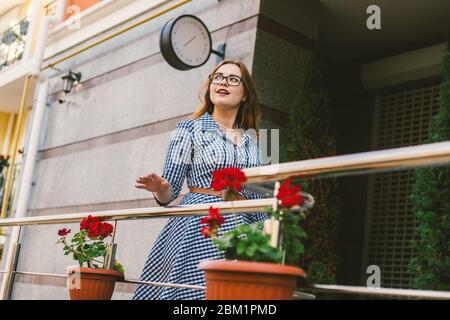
column 153, row 183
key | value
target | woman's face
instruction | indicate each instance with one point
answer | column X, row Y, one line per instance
column 224, row 95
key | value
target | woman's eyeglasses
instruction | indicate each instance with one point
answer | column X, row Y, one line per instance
column 232, row 80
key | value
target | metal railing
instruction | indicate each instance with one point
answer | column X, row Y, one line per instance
column 436, row 154
column 12, row 43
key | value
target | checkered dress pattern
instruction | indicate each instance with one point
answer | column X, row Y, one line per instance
column 197, row 148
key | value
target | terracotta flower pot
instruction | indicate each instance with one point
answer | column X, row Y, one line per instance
column 91, row 283
column 243, row 280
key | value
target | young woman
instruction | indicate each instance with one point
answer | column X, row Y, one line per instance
column 218, row 135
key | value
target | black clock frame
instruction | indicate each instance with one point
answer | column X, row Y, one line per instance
column 165, row 44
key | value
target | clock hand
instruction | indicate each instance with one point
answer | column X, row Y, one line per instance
column 190, row 41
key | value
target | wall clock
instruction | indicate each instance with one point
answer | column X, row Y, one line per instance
column 185, row 42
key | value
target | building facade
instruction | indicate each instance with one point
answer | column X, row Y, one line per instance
column 115, row 125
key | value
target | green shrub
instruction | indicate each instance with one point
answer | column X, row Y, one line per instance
column 309, row 134
column 431, row 205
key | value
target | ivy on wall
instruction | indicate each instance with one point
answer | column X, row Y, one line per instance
column 431, row 205
column 309, row 134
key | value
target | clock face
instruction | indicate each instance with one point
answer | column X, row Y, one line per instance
column 191, row 41
column 186, row 42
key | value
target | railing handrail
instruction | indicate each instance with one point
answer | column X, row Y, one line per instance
column 15, row 25
column 256, row 205
column 300, row 291
column 379, row 291
column 359, row 163
column 12, row 51
column 432, row 154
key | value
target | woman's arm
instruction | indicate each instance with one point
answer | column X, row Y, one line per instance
column 163, row 197
column 160, row 187
column 176, row 166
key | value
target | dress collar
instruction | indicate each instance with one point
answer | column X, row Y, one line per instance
column 208, row 123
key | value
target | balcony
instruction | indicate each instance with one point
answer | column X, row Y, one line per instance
column 12, row 44
column 430, row 155
column 73, row 7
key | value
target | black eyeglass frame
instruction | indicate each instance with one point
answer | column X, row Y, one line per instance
column 211, row 77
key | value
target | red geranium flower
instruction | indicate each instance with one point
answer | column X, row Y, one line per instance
column 86, row 222
column 95, row 227
column 289, row 194
column 99, row 229
column 87, row 245
column 63, row 232
column 228, row 178
column 206, row 232
column 106, row 229
column 214, row 220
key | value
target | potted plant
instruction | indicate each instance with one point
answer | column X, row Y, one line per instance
column 4, row 162
column 95, row 281
column 254, row 267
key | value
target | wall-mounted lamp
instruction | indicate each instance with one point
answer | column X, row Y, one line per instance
column 69, row 81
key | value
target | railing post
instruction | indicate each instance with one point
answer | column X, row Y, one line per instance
column 110, row 255
column 111, row 250
column 11, row 264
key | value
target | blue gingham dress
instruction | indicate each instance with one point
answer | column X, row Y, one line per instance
column 197, row 148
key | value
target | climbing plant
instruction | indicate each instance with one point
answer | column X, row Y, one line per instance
column 309, row 134
column 431, row 204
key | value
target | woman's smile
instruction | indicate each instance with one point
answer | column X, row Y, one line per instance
column 223, row 92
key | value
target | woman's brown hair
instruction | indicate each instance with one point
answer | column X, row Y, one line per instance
column 249, row 112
